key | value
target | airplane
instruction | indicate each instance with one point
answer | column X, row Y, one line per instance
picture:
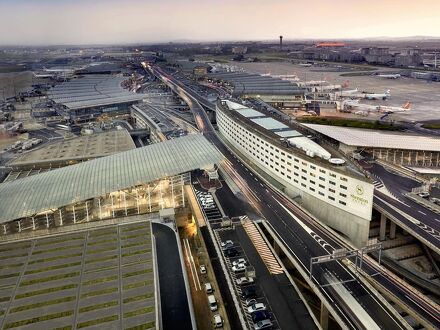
column 377, row 96
column 389, row 109
column 389, row 76
column 363, row 108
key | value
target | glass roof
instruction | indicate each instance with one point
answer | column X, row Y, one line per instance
column 60, row 187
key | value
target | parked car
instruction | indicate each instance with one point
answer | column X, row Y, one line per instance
column 218, row 322
column 208, row 288
column 261, row 315
column 239, row 261
column 239, row 268
column 424, row 194
column 250, row 301
column 212, row 302
column 256, row 307
column 202, row 269
column 264, row 324
column 249, row 292
column 231, row 252
column 244, row 280
column 227, row 244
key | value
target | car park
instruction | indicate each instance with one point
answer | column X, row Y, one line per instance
column 202, row 269
column 264, row 324
column 244, row 280
column 256, row 307
column 218, row 321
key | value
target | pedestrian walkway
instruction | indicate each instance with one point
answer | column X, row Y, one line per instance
column 263, row 249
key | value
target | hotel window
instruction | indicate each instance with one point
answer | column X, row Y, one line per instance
column 342, row 202
column 321, row 193
column 313, row 167
column 312, row 189
column 331, row 190
column 331, row 198
column 343, row 187
column 321, row 186
column 343, row 179
column 343, row 195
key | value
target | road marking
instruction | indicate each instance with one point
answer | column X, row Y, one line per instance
column 421, row 212
column 191, row 265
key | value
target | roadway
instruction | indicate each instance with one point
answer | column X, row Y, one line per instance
column 418, row 220
column 288, row 222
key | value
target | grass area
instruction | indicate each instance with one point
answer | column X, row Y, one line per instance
column 138, row 298
column 68, row 327
column 140, row 311
column 137, row 285
column 14, row 247
column 100, row 269
column 128, row 229
column 431, row 126
column 101, row 280
column 64, row 240
column 109, row 248
column 99, row 292
column 146, row 233
column 4, row 299
column 44, row 291
column 144, row 326
column 45, row 269
column 349, row 123
column 2, row 277
column 133, row 253
column 98, row 306
column 14, row 256
column 12, row 265
column 42, row 304
column 101, row 242
column 37, row 319
column 49, row 278
column 136, row 244
column 97, row 321
column 61, row 248
column 100, row 259
column 138, row 272
column 65, row 256
column 98, row 233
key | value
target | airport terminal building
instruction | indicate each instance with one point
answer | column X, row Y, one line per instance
column 138, row 181
column 333, row 191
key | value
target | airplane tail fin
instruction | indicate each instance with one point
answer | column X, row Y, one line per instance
column 388, row 92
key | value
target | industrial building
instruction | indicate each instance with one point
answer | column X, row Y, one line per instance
column 87, row 97
column 137, row 181
column 330, row 188
column 274, row 91
column 394, row 147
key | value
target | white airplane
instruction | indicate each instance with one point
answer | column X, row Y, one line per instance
column 389, row 76
column 388, row 109
column 364, row 109
column 378, row 96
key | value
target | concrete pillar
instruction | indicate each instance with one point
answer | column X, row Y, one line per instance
column 323, row 320
column 392, row 230
column 74, row 215
column 383, row 227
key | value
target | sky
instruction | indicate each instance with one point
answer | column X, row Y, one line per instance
column 48, row 22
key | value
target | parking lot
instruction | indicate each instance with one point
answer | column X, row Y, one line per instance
column 248, row 293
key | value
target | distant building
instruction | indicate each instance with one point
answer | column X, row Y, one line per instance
column 330, row 44
column 239, row 50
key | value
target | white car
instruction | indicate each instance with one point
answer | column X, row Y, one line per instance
column 250, row 302
column 256, row 307
column 227, row 244
column 202, row 269
column 239, row 261
column 218, row 322
column 239, row 268
column 244, row 280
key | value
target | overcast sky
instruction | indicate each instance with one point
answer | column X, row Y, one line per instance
column 128, row 21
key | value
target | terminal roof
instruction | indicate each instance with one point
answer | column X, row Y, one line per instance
column 51, row 190
column 378, row 139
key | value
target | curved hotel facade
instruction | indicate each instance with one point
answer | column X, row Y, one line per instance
column 338, row 195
